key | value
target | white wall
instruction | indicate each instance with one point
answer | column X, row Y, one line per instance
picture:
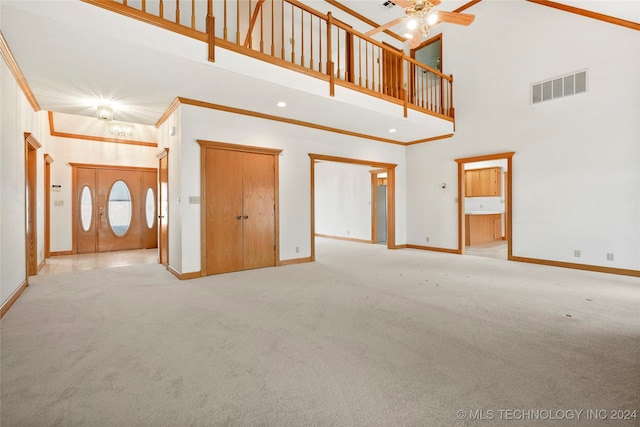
column 169, row 136
column 72, row 150
column 294, row 165
column 343, row 200
column 17, row 117
column 576, row 171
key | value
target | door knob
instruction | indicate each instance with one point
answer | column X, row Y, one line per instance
column 239, row 217
column 246, row 217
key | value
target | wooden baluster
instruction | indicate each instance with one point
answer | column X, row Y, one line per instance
column 311, row 41
column 282, row 27
column 193, row 14
column 403, row 91
column 261, row 31
column 225, row 27
column 320, row 45
column 339, row 52
column 332, row 83
column 359, row 62
column 177, row 11
column 249, row 19
column 366, row 63
column 452, row 110
column 238, row 21
column 161, row 9
column 124, row 2
column 273, row 40
column 293, row 36
column 144, row 5
column 302, row 32
column 450, row 103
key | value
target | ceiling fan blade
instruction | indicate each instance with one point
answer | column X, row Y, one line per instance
column 408, row 3
column 403, row 3
column 385, row 26
column 455, row 18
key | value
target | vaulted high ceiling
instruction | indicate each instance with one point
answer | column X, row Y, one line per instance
column 71, row 53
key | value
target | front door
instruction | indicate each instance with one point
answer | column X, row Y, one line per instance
column 115, row 209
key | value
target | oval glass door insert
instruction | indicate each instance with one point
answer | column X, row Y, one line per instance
column 120, row 208
column 150, row 207
column 86, row 208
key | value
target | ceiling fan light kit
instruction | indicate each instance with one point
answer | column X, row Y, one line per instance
column 420, row 18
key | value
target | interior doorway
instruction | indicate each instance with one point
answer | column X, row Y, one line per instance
column 379, row 169
column 379, row 226
column 31, row 201
column 485, row 205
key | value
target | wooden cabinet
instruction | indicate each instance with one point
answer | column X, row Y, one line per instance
column 482, row 228
column 483, row 182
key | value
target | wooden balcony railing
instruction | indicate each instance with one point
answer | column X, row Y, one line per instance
column 290, row 34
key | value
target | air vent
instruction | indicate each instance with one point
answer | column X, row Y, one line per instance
column 388, row 4
column 559, row 87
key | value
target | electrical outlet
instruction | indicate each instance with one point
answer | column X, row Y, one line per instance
column 610, row 256
column 194, row 200
column 58, row 203
column 577, row 253
column 427, row 239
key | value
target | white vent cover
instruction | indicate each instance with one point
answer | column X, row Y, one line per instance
column 388, row 4
column 559, row 87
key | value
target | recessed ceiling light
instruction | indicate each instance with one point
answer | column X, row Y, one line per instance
column 281, row 104
column 392, row 130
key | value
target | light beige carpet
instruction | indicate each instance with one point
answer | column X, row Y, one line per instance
column 362, row 337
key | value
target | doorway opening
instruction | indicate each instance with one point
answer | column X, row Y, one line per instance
column 352, row 199
column 485, row 205
column 31, row 168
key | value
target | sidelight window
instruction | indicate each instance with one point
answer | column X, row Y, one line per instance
column 150, row 207
column 86, row 208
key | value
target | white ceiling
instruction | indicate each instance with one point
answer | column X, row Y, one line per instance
column 72, row 53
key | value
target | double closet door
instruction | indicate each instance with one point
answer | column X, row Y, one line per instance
column 114, row 209
column 239, row 208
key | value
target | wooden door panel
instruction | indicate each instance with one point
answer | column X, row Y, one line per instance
column 258, row 210
column 108, row 240
column 223, row 175
column 86, row 236
column 149, row 234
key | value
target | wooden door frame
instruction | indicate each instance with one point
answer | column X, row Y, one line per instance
column 508, row 156
column 389, row 168
column 205, row 145
column 47, row 205
column 74, row 192
column 163, row 155
column 374, row 204
column 31, row 146
column 412, row 53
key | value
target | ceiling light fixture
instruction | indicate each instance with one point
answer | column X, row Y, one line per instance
column 392, row 130
column 105, row 112
column 281, row 104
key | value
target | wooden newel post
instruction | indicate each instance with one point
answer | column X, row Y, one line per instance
column 330, row 65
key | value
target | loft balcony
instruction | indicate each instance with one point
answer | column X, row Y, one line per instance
column 258, row 50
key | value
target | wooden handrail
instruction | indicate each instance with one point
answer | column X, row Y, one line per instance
column 361, row 62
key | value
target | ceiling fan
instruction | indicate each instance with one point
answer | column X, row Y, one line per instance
column 420, row 18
